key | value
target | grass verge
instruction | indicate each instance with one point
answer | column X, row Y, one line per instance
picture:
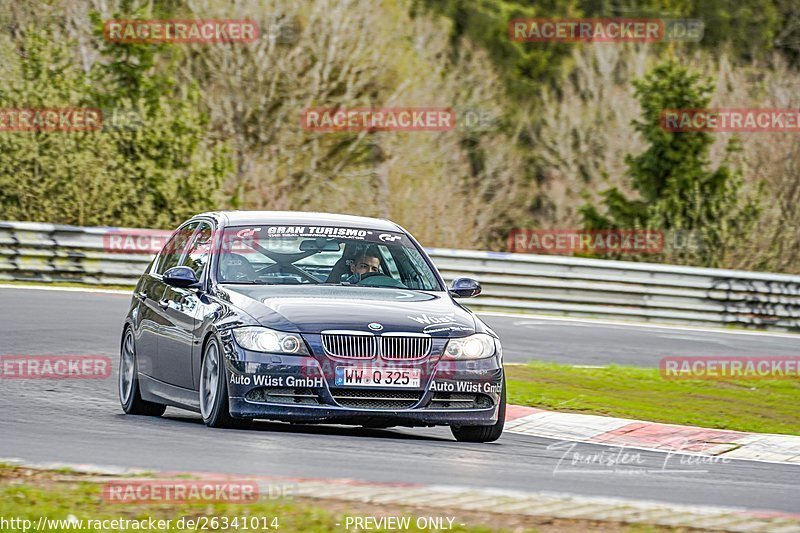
column 72, row 502
column 631, row 392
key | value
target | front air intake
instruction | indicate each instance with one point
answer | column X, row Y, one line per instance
column 352, row 345
column 403, row 346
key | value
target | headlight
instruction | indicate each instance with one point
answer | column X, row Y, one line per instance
column 261, row 339
column 476, row 346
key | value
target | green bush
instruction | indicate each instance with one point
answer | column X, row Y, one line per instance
column 150, row 164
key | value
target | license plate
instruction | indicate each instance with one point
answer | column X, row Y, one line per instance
column 377, row 377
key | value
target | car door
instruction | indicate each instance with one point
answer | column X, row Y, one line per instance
column 154, row 298
column 146, row 323
column 150, row 322
column 181, row 309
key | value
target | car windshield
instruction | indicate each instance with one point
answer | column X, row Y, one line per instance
column 304, row 255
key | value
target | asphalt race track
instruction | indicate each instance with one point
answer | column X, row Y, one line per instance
column 80, row 421
column 44, row 322
column 595, row 343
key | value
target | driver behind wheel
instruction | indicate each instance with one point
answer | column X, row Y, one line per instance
column 367, row 263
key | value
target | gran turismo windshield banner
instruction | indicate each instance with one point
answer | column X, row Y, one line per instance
column 356, row 234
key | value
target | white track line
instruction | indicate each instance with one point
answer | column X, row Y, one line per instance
column 602, row 322
column 65, row 289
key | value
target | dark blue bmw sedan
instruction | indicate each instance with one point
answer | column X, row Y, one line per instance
column 308, row 318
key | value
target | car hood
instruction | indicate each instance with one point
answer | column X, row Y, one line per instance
column 311, row 309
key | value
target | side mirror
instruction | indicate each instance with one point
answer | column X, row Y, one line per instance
column 181, row 276
column 465, row 288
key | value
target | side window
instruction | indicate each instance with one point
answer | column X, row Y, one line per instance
column 389, row 262
column 198, row 252
column 414, row 271
column 172, row 252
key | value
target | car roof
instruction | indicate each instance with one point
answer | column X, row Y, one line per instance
column 246, row 218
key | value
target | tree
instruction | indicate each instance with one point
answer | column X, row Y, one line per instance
column 55, row 176
column 525, row 66
column 677, row 192
column 178, row 169
column 152, row 164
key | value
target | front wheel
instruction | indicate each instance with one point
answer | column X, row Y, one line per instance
column 214, row 406
column 483, row 433
column 129, row 395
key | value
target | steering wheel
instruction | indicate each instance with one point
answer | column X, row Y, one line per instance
column 379, row 279
column 279, row 267
column 366, row 275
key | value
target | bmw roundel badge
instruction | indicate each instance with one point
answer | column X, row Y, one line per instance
column 374, row 326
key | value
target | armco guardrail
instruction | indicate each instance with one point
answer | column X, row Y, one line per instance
column 512, row 282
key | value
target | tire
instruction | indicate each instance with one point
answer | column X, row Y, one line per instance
column 128, row 382
column 214, row 406
column 483, row 433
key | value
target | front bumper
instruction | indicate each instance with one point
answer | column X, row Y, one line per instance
column 242, row 408
column 302, row 389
